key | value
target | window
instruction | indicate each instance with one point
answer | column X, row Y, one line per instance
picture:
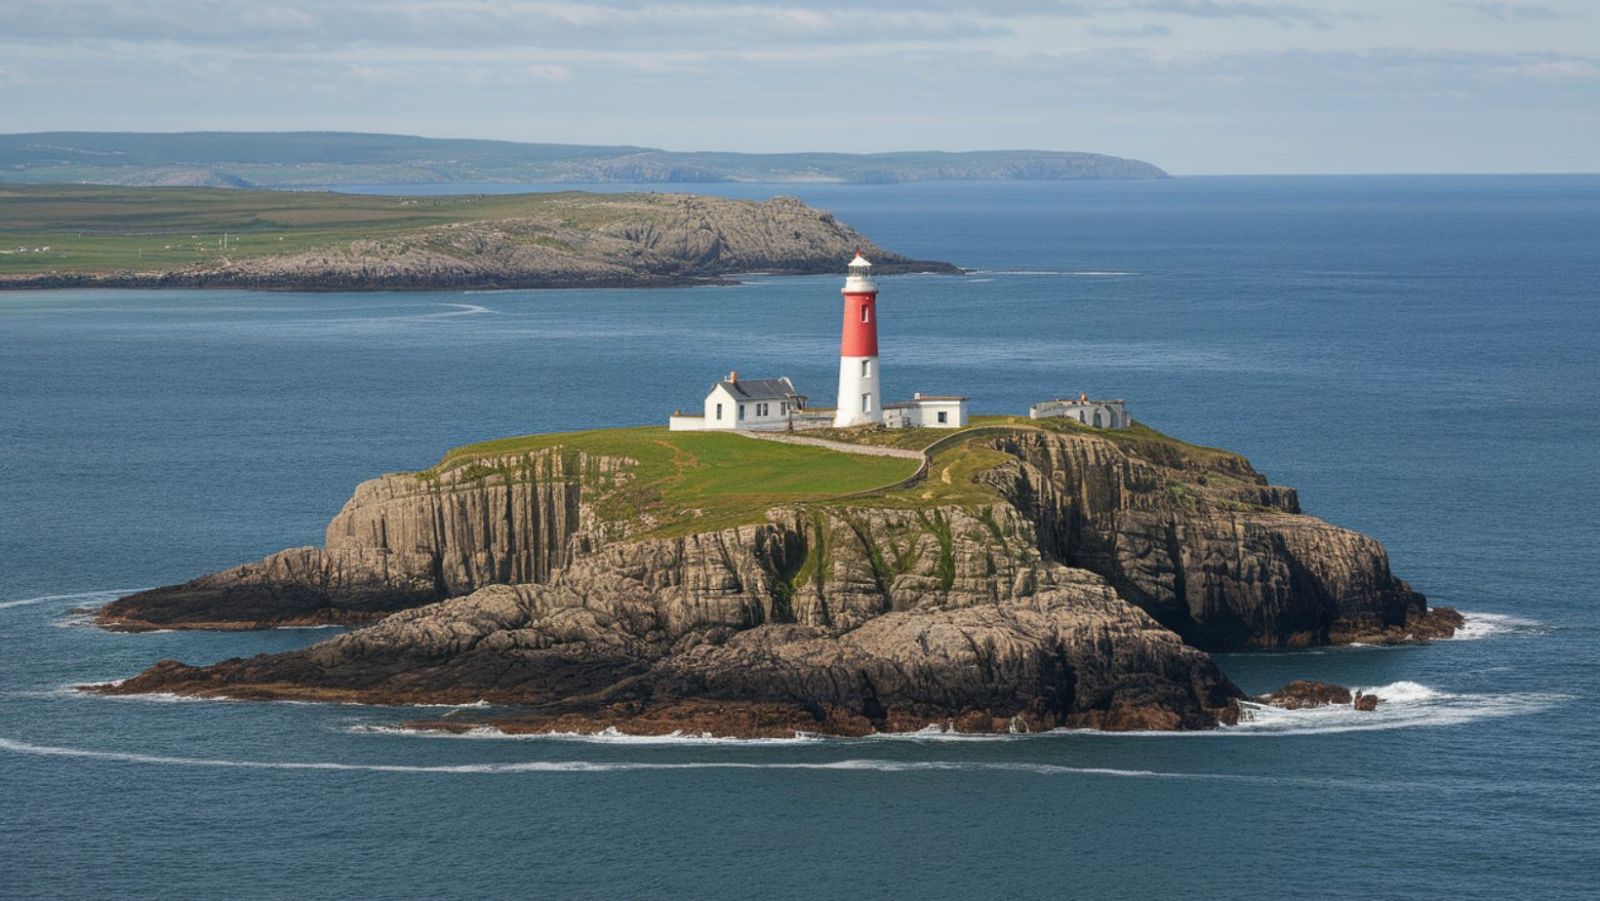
column 866, row 369
column 866, row 313
column 719, row 411
column 741, row 411
column 783, row 408
column 761, row 409
column 944, row 416
column 866, row 403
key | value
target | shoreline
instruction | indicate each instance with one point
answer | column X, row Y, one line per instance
column 205, row 282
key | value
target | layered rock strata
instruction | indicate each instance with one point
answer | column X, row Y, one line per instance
column 400, row 541
column 1201, row 541
column 959, row 628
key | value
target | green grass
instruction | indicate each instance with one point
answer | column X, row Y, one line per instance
column 687, row 482
column 103, row 229
column 697, row 481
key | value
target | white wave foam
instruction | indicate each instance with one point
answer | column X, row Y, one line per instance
column 948, row 732
column 104, row 594
column 467, row 309
column 159, row 697
column 1403, row 692
column 584, row 766
column 607, row 736
column 1486, row 625
column 1402, row 705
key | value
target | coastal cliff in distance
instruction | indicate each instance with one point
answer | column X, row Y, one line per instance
column 80, row 236
column 1032, row 577
column 320, row 159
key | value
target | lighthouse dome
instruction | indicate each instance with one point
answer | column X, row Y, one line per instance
column 860, row 276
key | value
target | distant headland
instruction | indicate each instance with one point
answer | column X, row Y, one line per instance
column 67, row 236
column 320, row 159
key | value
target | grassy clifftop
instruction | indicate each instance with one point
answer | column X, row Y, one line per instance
column 687, row 482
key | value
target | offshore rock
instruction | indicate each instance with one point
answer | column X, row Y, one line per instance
column 1303, row 693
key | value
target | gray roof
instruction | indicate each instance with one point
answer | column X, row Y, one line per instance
column 760, row 389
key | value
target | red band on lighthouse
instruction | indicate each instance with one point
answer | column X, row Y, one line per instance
column 859, row 338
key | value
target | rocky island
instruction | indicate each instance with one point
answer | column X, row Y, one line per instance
column 1014, row 575
column 73, row 236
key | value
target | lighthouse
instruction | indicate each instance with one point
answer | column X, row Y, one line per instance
column 859, row 399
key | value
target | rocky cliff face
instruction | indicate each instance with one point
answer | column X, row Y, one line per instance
column 400, row 541
column 1077, row 595
column 1199, row 540
column 714, row 627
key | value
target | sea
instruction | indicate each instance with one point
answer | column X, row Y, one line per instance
column 1420, row 356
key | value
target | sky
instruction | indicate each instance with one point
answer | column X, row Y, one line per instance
column 1194, row 86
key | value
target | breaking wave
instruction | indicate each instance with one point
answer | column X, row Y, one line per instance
column 585, row 766
column 102, row 595
column 1486, row 625
column 1403, row 705
column 607, row 736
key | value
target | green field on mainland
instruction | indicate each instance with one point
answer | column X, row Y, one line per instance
column 90, row 228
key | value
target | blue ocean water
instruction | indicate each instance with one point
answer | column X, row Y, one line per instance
column 1417, row 355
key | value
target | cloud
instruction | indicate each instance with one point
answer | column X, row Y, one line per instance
column 1283, row 14
column 1507, row 12
column 295, row 24
column 1149, row 30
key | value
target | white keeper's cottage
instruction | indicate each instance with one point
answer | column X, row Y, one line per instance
column 734, row 403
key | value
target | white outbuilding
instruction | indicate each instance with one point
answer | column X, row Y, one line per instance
column 735, row 403
column 927, row 411
column 1102, row 414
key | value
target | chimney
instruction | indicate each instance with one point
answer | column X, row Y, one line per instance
column 733, row 376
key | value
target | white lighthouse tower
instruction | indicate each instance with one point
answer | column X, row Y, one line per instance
column 860, row 402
